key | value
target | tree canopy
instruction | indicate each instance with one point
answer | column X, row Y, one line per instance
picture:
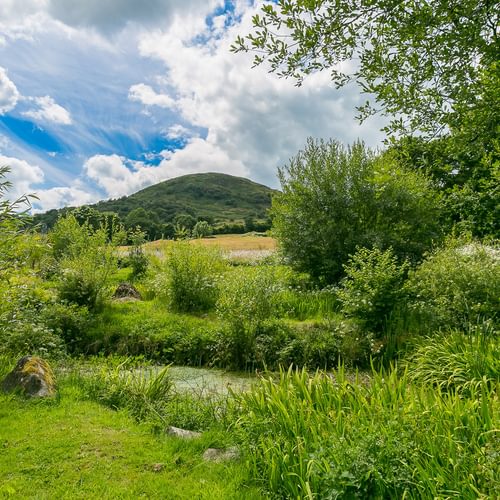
column 426, row 62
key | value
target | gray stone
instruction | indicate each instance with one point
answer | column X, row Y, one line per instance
column 221, row 455
column 128, row 291
column 182, row 433
column 32, row 376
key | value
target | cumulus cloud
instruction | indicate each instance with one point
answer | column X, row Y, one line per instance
column 120, row 176
column 48, row 110
column 22, row 175
column 250, row 115
column 112, row 15
column 58, row 197
column 9, row 95
column 147, row 96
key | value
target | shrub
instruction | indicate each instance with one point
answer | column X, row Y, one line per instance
column 372, row 286
column 23, row 329
column 86, row 261
column 137, row 259
column 247, row 300
column 456, row 285
column 192, row 277
column 335, row 199
column 70, row 322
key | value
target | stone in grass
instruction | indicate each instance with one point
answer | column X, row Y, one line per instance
column 182, row 433
column 31, row 376
column 221, row 455
column 127, row 291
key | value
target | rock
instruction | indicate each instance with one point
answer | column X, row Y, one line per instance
column 221, row 455
column 182, row 433
column 157, row 467
column 128, row 291
column 32, row 376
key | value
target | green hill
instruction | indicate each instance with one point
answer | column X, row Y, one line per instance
column 221, row 199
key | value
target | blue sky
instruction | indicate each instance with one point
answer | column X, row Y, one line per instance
column 99, row 99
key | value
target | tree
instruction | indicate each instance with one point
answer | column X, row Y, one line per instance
column 13, row 218
column 425, row 62
column 335, row 199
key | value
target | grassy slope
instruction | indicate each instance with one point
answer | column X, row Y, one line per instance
column 219, row 196
column 78, row 449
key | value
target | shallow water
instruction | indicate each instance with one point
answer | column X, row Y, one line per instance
column 209, row 380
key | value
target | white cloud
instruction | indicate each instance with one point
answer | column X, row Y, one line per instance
column 58, row 197
column 147, row 96
column 252, row 116
column 178, row 131
column 48, row 110
column 9, row 95
column 112, row 15
column 22, row 175
column 119, row 176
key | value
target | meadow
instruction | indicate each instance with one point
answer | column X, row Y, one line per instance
column 331, row 401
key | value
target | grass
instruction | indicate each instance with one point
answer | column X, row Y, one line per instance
column 72, row 448
column 327, row 437
column 226, row 242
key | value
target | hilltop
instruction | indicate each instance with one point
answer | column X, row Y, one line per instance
column 218, row 198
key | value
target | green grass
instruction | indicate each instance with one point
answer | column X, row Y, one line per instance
column 324, row 436
column 69, row 448
column 147, row 328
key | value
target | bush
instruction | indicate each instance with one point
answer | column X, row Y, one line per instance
column 85, row 262
column 372, row 287
column 23, row 329
column 192, row 277
column 247, row 300
column 457, row 285
column 335, row 199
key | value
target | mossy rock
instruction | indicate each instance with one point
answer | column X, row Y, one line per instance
column 32, row 376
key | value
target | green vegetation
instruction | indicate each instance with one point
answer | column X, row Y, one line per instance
column 375, row 322
column 227, row 204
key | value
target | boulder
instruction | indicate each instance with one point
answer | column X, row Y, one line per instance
column 182, row 433
column 221, row 455
column 31, row 376
column 127, row 291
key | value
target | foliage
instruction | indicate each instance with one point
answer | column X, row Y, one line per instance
column 12, row 220
column 372, row 287
column 457, row 361
column 222, row 200
column 423, row 62
column 137, row 259
column 23, row 325
column 246, row 302
column 141, row 391
column 190, row 281
column 323, row 436
column 335, row 199
column 202, row 229
column 456, row 285
column 85, row 261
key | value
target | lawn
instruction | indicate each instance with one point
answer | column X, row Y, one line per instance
column 72, row 448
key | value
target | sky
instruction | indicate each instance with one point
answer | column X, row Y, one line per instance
column 102, row 98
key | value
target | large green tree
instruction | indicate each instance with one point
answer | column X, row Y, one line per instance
column 424, row 61
column 335, row 199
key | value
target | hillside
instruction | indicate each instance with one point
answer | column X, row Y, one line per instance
column 218, row 198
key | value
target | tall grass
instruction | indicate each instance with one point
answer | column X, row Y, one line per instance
column 323, row 437
column 458, row 361
column 143, row 391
